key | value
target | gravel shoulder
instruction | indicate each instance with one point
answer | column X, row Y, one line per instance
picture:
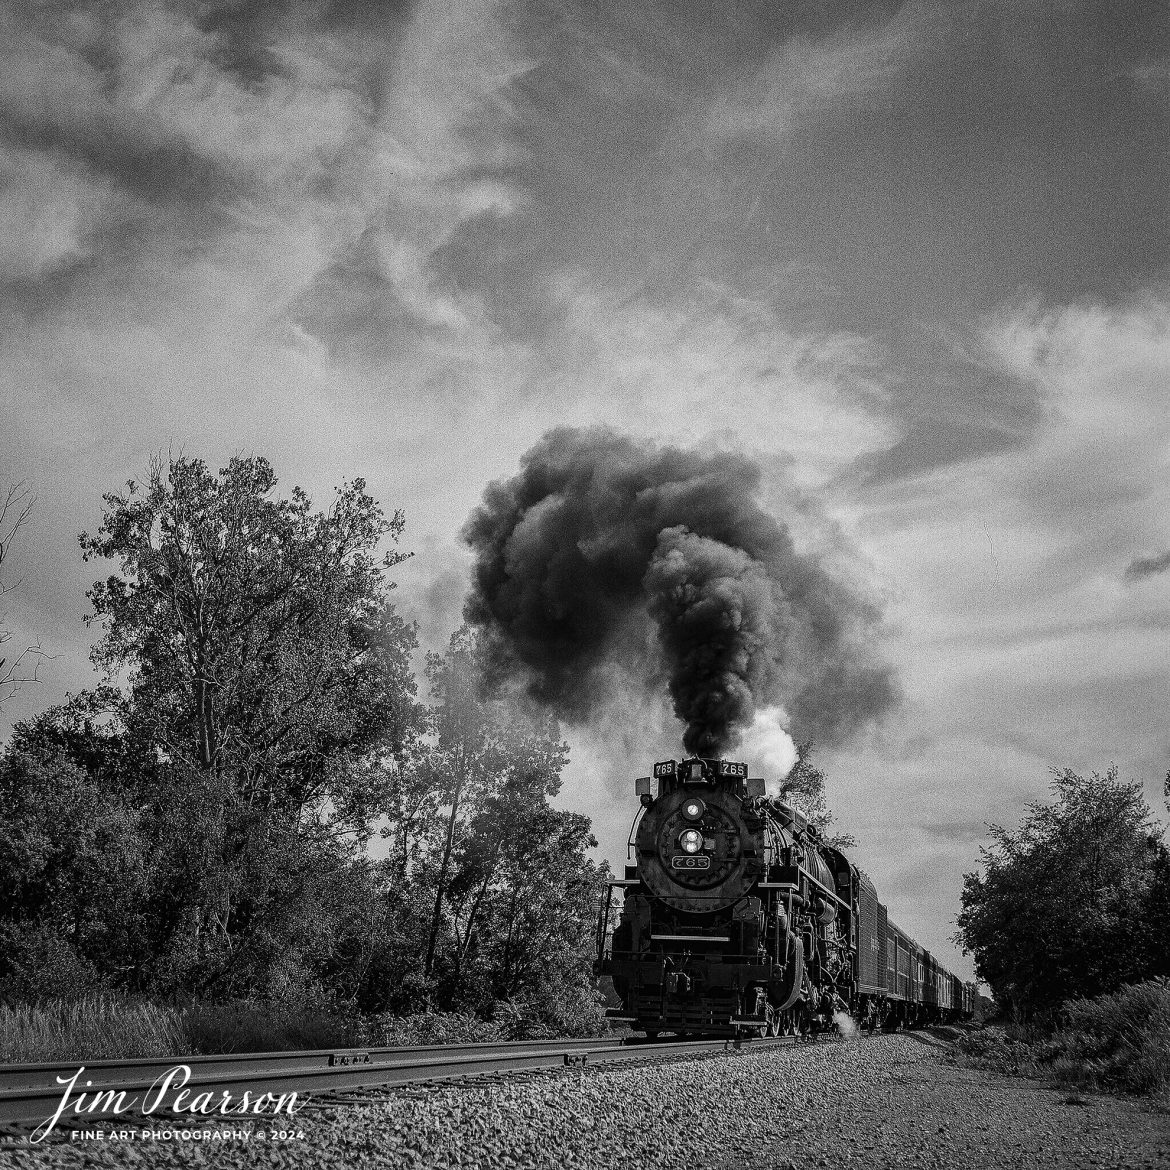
column 893, row 1101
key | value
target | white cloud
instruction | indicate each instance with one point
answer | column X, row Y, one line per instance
column 1018, row 644
column 47, row 210
column 805, row 74
column 721, row 365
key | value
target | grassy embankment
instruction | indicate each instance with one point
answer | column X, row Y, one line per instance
column 106, row 1028
column 1118, row 1043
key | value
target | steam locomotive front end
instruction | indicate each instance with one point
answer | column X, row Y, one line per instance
column 738, row 918
column 695, row 949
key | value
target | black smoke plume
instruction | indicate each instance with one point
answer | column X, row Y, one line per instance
column 604, row 551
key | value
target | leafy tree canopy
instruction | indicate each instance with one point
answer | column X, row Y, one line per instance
column 513, row 894
column 197, row 824
column 805, row 786
column 257, row 674
column 1066, row 905
column 257, row 635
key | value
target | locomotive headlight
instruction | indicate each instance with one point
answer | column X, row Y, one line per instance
column 691, row 840
column 693, row 809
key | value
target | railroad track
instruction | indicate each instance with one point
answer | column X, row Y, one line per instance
column 32, row 1093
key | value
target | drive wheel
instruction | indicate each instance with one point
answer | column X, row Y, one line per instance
column 801, row 1020
column 775, row 1022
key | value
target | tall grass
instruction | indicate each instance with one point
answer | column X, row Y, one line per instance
column 106, row 1028
column 1117, row 1041
column 94, row 1028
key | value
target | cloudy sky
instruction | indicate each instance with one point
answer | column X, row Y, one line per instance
column 911, row 258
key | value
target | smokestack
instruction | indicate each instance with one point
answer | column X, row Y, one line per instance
column 603, row 551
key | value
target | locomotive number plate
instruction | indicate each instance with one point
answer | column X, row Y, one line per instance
column 693, row 861
column 727, row 768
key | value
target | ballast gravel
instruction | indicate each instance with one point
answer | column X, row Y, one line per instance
column 890, row 1101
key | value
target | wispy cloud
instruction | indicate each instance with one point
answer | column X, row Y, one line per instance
column 1018, row 645
column 806, row 74
column 1142, row 567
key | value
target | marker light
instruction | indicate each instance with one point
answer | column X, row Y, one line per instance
column 693, row 809
column 691, row 840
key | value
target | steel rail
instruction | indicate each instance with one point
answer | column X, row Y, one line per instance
column 30, row 1075
column 40, row 1094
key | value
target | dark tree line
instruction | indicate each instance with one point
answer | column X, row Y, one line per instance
column 1075, row 903
column 199, row 823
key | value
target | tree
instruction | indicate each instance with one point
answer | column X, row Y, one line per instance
column 805, row 783
column 15, row 509
column 1064, row 905
column 511, row 896
column 265, row 667
column 476, row 747
column 259, row 635
column 73, row 889
column 529, row 936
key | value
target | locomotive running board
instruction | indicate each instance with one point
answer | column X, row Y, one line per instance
column 691, row 938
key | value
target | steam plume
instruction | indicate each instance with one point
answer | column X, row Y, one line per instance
column 605, row 552
column 769, row 747
column 846, row 1025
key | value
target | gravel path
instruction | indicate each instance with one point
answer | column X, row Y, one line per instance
column 893, row 1101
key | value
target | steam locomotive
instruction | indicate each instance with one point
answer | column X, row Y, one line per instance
column 738, row 919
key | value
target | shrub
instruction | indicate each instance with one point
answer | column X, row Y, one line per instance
column 252, row 1026
column 45, row 968
column 435, row 1028
column 999, row 1051
column 519, row 1021
column 575, row 1011
column 563, row 1015
column 1117, row 1041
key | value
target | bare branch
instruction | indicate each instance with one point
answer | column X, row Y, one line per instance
column 14, row 511
column 15, row 508
column 22, row 669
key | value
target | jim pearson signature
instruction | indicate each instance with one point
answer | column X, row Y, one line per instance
column 167, row 1091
